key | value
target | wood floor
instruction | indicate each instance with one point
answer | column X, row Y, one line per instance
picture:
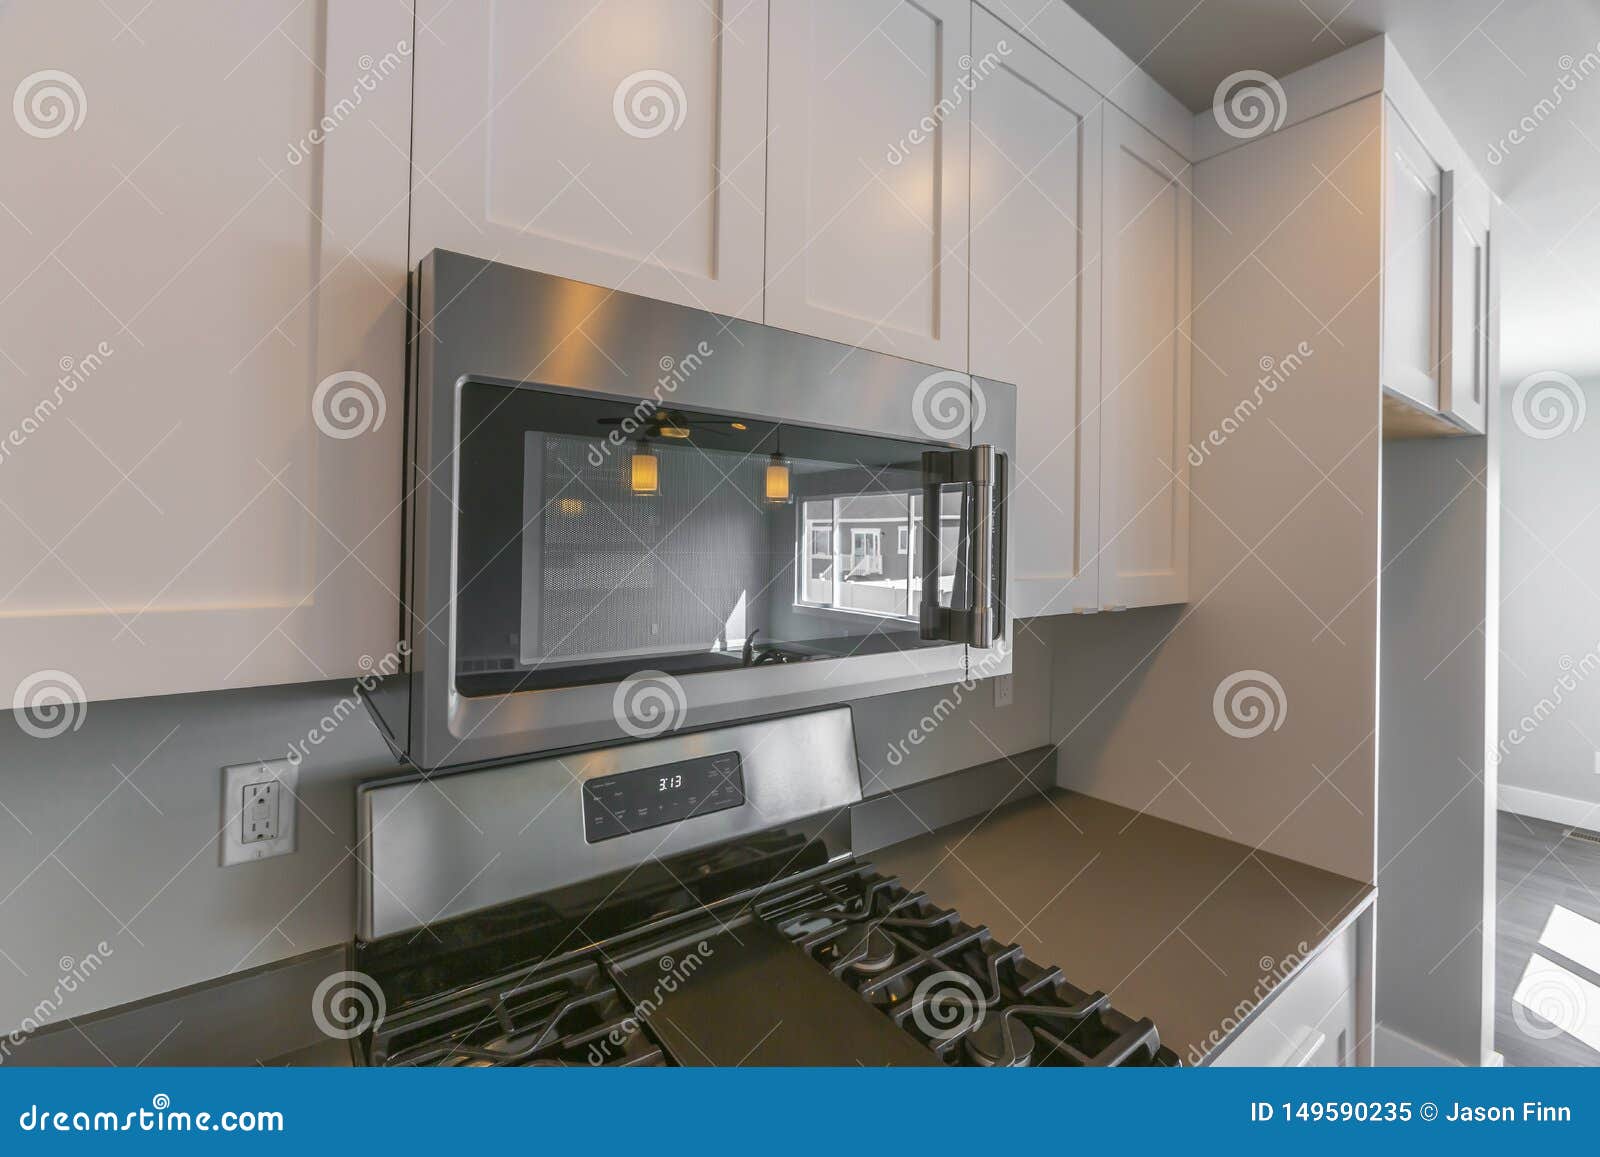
column 1541, row 869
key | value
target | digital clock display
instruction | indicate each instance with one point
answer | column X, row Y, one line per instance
column 634, row 801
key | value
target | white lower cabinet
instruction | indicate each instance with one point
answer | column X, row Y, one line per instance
column 1035, row 300
column 1144, row 369
column 1310, row 1020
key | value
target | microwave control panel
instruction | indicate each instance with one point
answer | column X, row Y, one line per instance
column 634, row 801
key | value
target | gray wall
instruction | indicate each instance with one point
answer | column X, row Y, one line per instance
column 1550, row 616
column 86, row 856
column 1435, row 807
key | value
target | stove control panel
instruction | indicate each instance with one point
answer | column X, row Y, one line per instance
column 634, row 801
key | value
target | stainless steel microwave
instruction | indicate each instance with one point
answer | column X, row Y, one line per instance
column 625, row 516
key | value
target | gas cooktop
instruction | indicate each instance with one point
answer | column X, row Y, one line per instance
column 845, row 966
column 692, row 899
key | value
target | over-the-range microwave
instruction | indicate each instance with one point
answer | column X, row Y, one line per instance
column 624, row 516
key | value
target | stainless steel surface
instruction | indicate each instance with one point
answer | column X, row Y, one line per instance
column 440, row 847
column 1193, row 931
column 495, row 323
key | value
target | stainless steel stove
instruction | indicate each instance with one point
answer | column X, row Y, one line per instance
column 687, row 900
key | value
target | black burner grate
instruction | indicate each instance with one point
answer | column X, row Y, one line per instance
column 572, row 1017
column 972, row 999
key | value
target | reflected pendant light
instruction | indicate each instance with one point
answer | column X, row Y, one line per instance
column 777, row 487
column 644, row 470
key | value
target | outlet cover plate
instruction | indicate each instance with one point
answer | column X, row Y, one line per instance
column 235, row 781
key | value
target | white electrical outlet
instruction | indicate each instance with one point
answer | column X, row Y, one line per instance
column 259, row 806
column 1004, row 691
column 258, row 818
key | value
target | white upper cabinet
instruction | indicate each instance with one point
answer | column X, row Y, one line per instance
column 1470, row 307
column 203, row 329
column 867, row 174
column 1414, row 200
column 1145, row 355
column 1035, row 300
column 618, row 142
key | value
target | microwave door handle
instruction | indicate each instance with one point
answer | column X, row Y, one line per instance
column 934, row 620
column 972, row 616
column 995, row 595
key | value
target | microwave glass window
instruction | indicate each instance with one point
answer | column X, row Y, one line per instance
column 569, row 570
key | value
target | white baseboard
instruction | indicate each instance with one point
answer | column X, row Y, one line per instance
column 1394, row 1049
column 1544, row 805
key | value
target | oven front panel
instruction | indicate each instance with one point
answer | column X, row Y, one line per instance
column 629, row 515
column 440, row 847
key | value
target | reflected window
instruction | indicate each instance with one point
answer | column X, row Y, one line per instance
column 866, row 553
column 860, row 552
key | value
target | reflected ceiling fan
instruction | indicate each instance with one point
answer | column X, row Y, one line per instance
column 677, row 426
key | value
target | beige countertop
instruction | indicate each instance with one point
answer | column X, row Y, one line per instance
column 1174, row 924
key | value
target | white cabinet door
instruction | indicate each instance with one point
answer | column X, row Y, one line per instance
column 1464, row 376
column 1144, row 426
column 1413, row 201
column 204, row 223
column 619, row 142
column 1035, row 293
column 867, row 174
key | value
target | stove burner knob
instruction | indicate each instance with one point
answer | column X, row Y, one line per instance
column 1000, row 1042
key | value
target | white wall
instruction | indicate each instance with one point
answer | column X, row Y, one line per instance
column 1550, row 611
